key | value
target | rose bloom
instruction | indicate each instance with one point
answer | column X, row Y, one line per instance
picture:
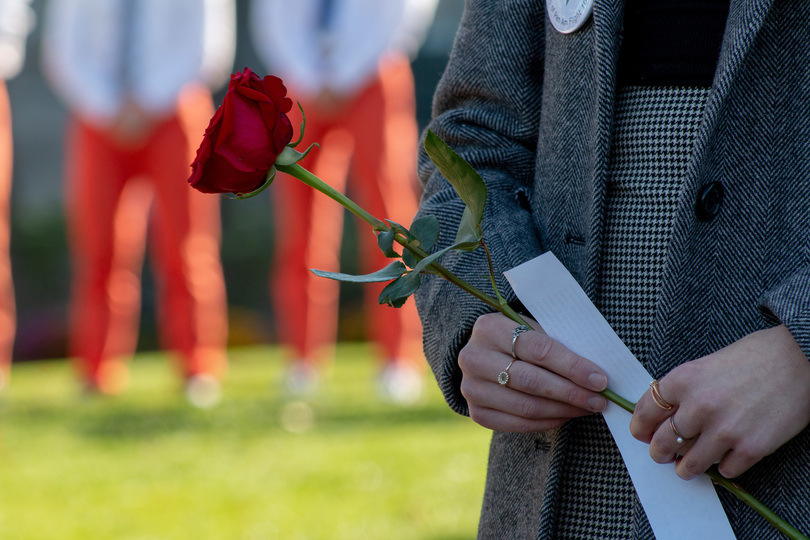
column 245, row 136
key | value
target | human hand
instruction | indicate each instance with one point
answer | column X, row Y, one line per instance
column 548, row 384
column 734, row 406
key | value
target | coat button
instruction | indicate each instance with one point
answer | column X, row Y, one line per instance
column 709, row 200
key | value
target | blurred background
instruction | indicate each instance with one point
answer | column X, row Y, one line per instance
column 145, row 465
column 38, row 250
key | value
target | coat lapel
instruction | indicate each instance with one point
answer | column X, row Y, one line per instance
column 745, row 19
column 608, row 18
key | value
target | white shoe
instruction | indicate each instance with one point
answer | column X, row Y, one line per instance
column 302, row 379
column 399, row 382
column 203, row 391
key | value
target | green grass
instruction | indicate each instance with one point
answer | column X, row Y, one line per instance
column 147, row 466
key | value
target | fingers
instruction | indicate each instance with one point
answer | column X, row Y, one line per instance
column 671, row 432
column 505, row 421
column 682, row 438
column 658, row 421
column 526, row 378
column 733, row 450
column 532, row 393
column 540, row 366
column 678, row 439
column 539, row 349
column 715, row 424
column 732, row 407
column 522, row 381
column 676, row 436
column 651, row 410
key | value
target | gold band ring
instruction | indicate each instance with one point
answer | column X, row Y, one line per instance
column 680, row 439
column 656, row 395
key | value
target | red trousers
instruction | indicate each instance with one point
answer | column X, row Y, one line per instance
column 114, row 195
column 372, row 142
column 8, row 318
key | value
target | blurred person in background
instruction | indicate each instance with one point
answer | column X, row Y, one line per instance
column 348, row 64
column 16, row 21
column 136, row 77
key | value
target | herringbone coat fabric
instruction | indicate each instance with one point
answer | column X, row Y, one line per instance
column 532, row 109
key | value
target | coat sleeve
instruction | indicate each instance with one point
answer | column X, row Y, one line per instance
column 487, row 108
column 787, row 303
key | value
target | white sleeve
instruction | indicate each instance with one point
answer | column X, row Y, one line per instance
column 16, row 21
column 367, row 30
column 283, row 36
column 220, row 42
column 286, row 39
column 416, row 22
column 181, row 42
column 77, row 63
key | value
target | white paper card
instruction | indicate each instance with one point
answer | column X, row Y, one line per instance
column 675, row 508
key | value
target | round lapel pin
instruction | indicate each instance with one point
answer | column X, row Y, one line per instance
column 569, row 15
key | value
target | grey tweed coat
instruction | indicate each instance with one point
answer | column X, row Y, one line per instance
column 532, row 110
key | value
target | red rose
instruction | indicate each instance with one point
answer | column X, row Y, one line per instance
column 245, row 136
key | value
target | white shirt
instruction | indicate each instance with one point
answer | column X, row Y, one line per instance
column 16, row 21
column 173, row 43
column 289, row 42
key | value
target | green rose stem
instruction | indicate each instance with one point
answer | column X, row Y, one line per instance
column 778, row 523
column 297, row 171
column 313, row 181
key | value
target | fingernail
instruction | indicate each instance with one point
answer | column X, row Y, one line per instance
column 597, row 403
column 597, row 381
